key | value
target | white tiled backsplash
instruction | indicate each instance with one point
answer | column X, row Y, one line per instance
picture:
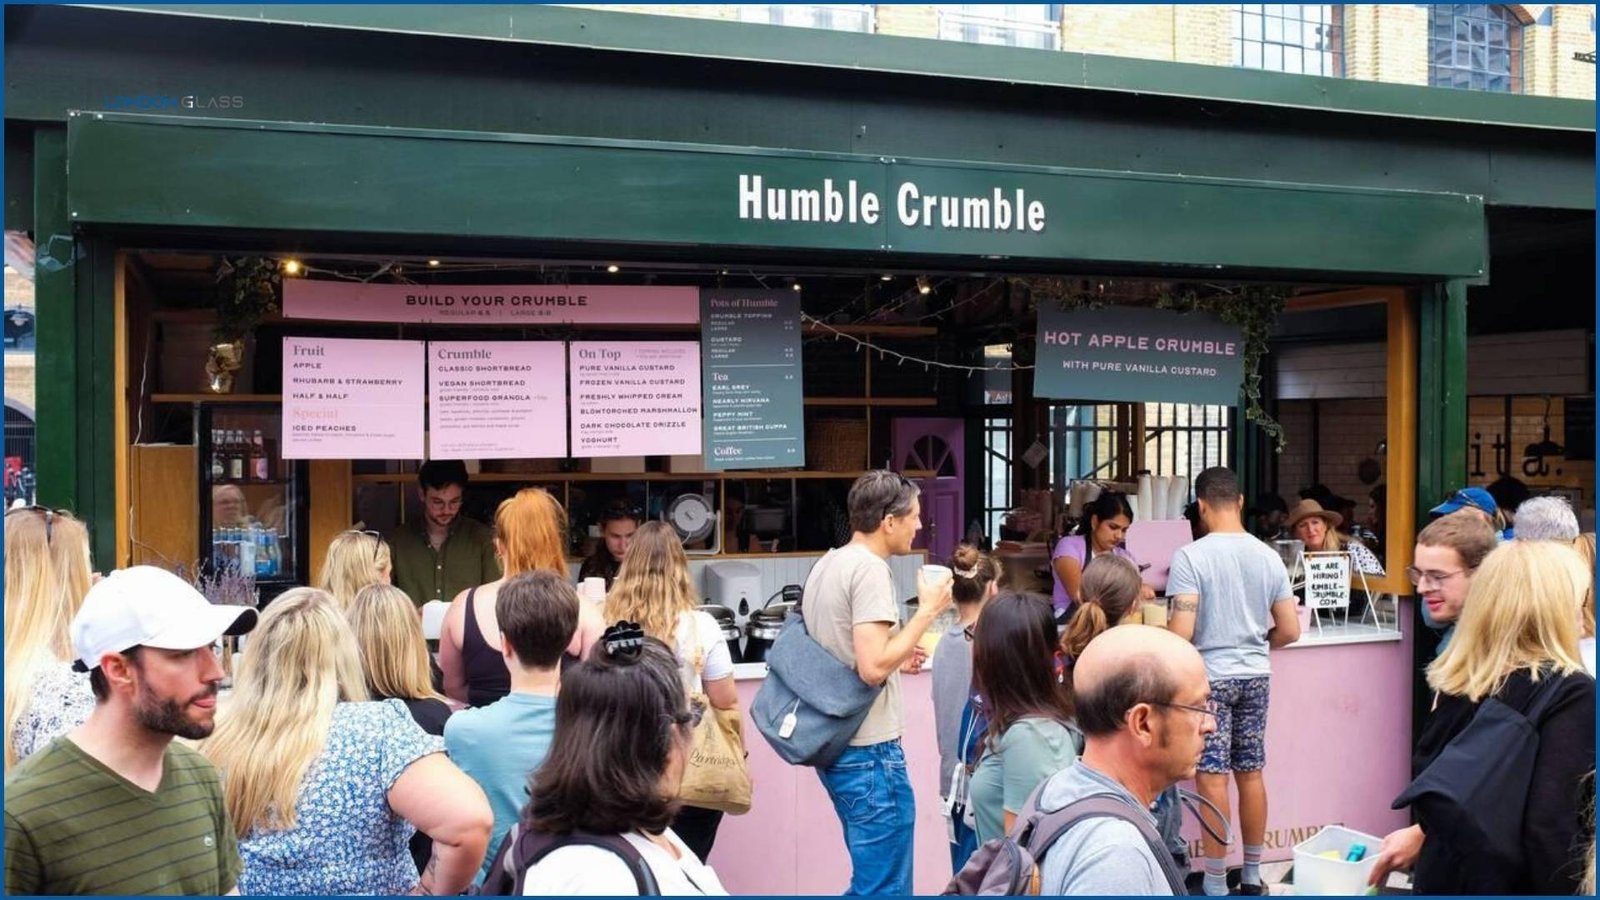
column 781, row 570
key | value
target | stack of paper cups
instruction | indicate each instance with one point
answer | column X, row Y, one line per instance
column 1178, row 497
column 1161, row 485
column 1144, row 509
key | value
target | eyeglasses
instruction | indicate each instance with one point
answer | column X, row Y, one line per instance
column 1417, row 576
column 49, row 518
column 1211, row 708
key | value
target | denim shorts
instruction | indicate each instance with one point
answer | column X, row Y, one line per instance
column 1240, row 742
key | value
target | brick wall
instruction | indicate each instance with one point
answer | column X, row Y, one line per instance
column 20, row 378
column 1571, row 34
column 1203, row 34
column 1486, row 427
column 908, row 20
column 1534, row 362
column 1347, row 432
column 1118, row 29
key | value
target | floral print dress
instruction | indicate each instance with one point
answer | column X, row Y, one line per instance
column 61, row 701
column 346, row 839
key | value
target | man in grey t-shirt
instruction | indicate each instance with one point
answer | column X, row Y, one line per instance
column 1143, row 704
column 851, row 610
column 1231, row 597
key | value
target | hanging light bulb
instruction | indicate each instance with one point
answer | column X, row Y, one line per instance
column 433, row 263
column 613, row 268
column 924, row 287
column 291, row 267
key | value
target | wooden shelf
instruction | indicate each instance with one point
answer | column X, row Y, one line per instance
column 870, row 401
column 535, row 477
column 175, row 399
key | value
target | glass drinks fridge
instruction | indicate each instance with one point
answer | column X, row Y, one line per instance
column 253, row 505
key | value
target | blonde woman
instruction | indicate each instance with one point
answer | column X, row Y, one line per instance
column 653, row 589
column 1318, row 529
column 394, row 654
column 1516, row 642
column 355, row 559
column 325, row 788
column 398, row 667
column 530, row 534
column 1585, row 547
column 47, row 577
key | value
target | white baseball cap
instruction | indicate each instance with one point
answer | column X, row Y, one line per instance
column 149, row 607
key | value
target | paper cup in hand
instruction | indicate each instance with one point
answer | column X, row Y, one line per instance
column 934, row 576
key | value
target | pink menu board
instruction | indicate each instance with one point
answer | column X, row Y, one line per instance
column 497, row 399
column 352, row 399
column 635, row 398
column 497, row 304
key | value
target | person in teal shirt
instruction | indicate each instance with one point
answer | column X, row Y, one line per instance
column 1031, row 735
column 501, row 745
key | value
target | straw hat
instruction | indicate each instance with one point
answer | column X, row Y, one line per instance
column 1305, row 509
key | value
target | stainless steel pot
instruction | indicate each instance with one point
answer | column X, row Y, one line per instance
column 729, row 625
column 763, row 629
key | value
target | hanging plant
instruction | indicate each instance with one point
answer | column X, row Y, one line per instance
column 1253, row 309
column 247, row 292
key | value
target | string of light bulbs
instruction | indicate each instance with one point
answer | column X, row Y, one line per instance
column 902, row 358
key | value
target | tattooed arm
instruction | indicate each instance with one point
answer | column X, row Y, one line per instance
column 1181, row 620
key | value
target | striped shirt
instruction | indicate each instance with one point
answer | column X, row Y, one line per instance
column 73, row 826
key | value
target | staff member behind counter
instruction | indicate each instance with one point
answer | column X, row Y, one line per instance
column 446, row 552
column 618, row 523
column 1105, row 525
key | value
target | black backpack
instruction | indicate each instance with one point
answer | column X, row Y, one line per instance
column 1010, row 865
column 522, row 849
column 1475, row 792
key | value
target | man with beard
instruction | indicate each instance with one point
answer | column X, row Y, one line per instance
column 115, row 806
column 447, row 552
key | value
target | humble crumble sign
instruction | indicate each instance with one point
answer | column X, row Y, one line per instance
column 995, row 210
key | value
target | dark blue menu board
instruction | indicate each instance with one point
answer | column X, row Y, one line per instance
column 754, row 410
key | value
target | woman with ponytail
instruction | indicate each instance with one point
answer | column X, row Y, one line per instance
column 1109, row 593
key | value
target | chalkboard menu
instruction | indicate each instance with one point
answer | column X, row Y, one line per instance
column 1579, row 416
column 754, row 411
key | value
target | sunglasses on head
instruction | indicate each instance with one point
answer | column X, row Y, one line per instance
column 377, row 541
column 889, row 506
column 49, row 518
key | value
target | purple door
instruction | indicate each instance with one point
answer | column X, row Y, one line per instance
column 937, row 446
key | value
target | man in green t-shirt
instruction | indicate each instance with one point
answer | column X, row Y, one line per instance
column 446, row 552
column 115, row 807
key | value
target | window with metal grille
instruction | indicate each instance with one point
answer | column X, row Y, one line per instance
column 832, row 16
column 1083, row 442
column 1306, row 39
column 1475, row 46
column 1036, row 25
column 1185, row 440
column 997, row 457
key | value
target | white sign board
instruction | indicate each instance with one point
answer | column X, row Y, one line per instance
column 1327, row 580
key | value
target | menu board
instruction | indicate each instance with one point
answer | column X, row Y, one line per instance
column 496, row 399
column 1135, row 353
column 750, row 363
column 1327, row 580
column 635, row 398
column 352, row 399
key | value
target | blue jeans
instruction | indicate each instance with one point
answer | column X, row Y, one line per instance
column 872, row 795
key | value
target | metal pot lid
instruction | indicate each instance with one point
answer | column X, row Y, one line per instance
column 717, row 611
column 775, row 613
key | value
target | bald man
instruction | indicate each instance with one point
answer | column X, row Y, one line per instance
column 1143, row 703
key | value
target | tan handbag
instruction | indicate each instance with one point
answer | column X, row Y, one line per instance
column 716, row 776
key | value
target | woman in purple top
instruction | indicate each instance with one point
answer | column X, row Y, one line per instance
column 1105, row 523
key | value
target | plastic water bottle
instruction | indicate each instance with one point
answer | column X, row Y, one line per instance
column 263, row 552
column 247, row 549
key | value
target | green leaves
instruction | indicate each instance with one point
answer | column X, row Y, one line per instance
column 246, row 293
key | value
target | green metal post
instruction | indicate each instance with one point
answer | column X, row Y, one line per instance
column 97, row 395
column 1441, row 435
column 57, row 353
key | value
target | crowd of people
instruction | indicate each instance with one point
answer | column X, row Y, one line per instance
column 546, row 750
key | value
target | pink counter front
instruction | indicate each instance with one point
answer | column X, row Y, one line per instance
column 1338, row 751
